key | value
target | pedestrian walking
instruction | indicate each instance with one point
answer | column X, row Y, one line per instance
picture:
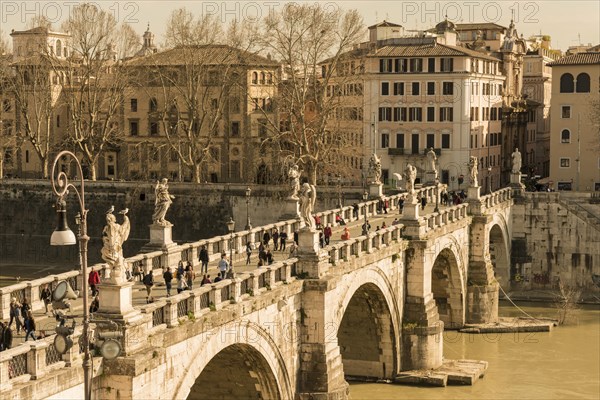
column 6, row 338
column 423, row 202
column 401, row 204
column 30, row 326
column 15, row 314
column 148, row 281
column 168, row 277
column 189, row 276
column 93, row 280
column 282, row 239
column 327, row 233
column 224, row 265
column 203, row 256
column 266, row 238
column 275, row 239
column 248, row 252
column 46, row 296
column 95, row 304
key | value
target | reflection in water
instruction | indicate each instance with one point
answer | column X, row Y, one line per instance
column 562, row 364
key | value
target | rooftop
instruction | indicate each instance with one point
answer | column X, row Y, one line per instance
column 588, row 58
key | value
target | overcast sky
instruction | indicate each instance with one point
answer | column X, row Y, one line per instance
column 567, row 22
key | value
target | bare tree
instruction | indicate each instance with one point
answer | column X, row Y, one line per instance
column 566, row 302
column 190, row 84
column 93, row 83
column 7, row 135
column 313, row 42
column 5, row 47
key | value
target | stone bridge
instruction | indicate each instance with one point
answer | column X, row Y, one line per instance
column 367, row 308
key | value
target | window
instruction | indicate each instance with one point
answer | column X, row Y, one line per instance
column 430, row 140
column 153, row 105
column 58, row 121
column 58, row 48
column 583, row 83
column 154, row 131
column 415, row 114
column 262, row 127
column 566, row 83
column 133, row 103
column 27, row 156
column 415, row 88
column 565, row 112
column 400, row 114
column 446, row 64
column 385, row 88
column 398, row 88
column 385, row 140
column 447, row 88
column 6, row 105
column 254, row 78
column 446, row 114
column 431, row 65
column 133, row 128
column 494, row 115
column 430, row 88
column 416, row 65
column 430, row 114
column 565, row 162
column 385, row 113
column 401, row 64
column 400, row 140
column 385, row 65
column 565, row 136
column 235, row 129
column 270, row 78
column 263, row 78
column 445, row 141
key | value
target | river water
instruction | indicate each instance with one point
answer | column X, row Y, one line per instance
column 562, row 364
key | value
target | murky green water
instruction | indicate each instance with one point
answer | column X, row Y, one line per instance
column 562, row 364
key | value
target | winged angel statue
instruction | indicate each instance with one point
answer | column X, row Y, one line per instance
column 308, row 196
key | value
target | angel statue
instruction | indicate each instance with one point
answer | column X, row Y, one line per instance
column 410, row 173
column 294, row 176
column 516, row 161
column 473, row 161
column 162, row 202
column 113, row 237
column 375, row 169
column 308, row 196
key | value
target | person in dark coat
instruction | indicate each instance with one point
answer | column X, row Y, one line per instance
column 6, row 336
column 203, row 256
column 282, row 240
column 266, row 238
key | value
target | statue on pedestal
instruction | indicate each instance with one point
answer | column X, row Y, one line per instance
column 294, row 176
column 113, row 237
column 308, row 196
column 375, row 169
column 162, row 202
column 410, row 174
column 473, row 161
column 431, row 161
column 516, row 161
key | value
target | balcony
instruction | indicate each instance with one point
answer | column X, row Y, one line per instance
column 392, row 151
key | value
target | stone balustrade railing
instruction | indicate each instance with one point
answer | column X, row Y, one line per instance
column 495, row 198
column 445, row 216
column 158, row 260
column 342, row 251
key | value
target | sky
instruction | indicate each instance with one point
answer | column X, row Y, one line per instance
column 568, row 22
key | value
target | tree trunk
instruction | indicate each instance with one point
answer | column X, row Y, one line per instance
column 197, row 173
column 44, row 162
column 1, row 166
column 92, row 168
column 312, row 173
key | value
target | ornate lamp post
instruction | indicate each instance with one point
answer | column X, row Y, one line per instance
column 365, row 197
column 63, row 236
column 230, row 228
column 437, row 194
column 248, row 192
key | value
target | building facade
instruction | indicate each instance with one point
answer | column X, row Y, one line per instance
column 574, row 116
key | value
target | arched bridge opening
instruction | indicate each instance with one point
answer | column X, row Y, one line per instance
column 237, row 372
column 366, row 336
column 447, row 289
column 499, row 257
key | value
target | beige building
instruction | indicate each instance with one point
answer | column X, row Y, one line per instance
column 575, row 134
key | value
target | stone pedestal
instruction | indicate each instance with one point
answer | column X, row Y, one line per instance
column 482, row 304
column 311, row 261
column 411, row 208
column 160, row 238
column 515, row 184
column 375, row 190
column 473, row 193
column 430, row 177
column 116, row 299
column 308, row 241
column 291, row 209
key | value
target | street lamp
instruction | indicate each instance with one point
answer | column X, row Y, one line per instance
column 339, row 190
column 63, row 236
column 248, row 192
column 437, row 194
column 230, row 228
column 366, row 225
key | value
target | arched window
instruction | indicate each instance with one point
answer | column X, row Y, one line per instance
column 254, row 78
column 583, row 83
column 269, row 78
column 262, row 78
column 153, row 105
column 566, row 83
column 565, row 136
column 58, row 48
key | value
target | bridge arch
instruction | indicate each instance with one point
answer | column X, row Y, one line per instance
column 448, row 288
column 243, row 350
column 499, row 248
column 368, row 332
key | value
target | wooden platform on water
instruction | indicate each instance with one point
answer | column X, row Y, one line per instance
column 512, row 325
column 452, row 372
